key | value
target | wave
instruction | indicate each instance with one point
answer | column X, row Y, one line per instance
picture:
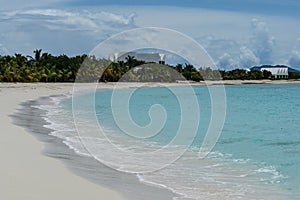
column 219, row 176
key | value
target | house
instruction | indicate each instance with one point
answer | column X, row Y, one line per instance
column 278, row 71
column 147, row 57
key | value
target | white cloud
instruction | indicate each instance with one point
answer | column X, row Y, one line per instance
column 231, row 38
column 226, row 61
column 61, row 31
column 248, row 58
column 294, row 60
column 257, row 49
column 224, row 52
column 261, row 42
column 244, row 59
column 70, row 20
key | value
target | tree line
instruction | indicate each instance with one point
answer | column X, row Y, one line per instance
column 44, row 67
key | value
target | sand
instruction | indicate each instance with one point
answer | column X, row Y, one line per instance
column 26, row 173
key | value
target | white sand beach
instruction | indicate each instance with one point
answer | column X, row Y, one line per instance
column 26, row 173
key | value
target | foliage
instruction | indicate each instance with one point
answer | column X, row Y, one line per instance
column 294, row 75
column 241, row 74
column 44, row 67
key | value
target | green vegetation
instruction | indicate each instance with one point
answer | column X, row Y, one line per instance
column 241, row 74
column 294, row 75
column 40, row 68
column 44, row 67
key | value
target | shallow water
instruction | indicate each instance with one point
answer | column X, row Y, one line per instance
column 256, row 157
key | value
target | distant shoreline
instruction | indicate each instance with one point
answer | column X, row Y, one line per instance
column 201, row 83
column 112, row 85
column 243, row 82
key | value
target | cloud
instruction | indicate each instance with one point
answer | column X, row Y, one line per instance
column 226, row 61
column 269, row 37
column 257, row 49
column 215, row 46
column 3, row 50
column 294, row 60
column 70, row 32
column 261, row 42
column 70, row 20
column 245, row 58
column 224, row 52
column 78, row 31
column 248, row 58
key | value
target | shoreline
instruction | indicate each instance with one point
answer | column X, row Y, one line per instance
column 25, row 172
column 62, row 181
column 83, row 166
column 100, row 183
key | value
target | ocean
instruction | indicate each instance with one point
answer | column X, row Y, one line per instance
column 257, row 155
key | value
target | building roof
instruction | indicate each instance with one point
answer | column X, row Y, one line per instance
column 276, row 70
column 271, row 67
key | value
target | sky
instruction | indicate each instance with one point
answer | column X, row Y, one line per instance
column 234, row 33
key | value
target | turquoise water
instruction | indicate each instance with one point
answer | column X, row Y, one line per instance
column 256, row 157
column 263, row 125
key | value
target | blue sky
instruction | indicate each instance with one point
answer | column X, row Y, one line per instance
column 252, row 6
column 234, row 32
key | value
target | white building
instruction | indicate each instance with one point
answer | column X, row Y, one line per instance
column 277, row 72
column 147, row 57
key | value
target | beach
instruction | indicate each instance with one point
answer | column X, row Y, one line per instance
column 32, row 166
column 26, row 173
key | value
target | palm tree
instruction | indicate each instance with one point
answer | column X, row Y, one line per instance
column 37, row 54
column 130, row 61
column 20, row 59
